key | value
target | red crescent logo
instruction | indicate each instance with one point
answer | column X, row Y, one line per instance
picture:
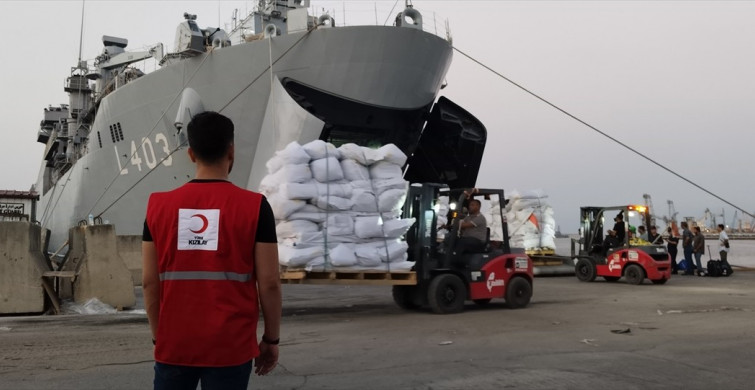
column 205, row 222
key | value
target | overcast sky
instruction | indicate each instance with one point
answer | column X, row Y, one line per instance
column 674, row 80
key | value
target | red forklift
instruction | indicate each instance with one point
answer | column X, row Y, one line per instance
column 445, row 279
column 601, row 253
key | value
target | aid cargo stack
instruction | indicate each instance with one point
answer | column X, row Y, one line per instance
column 338, row 211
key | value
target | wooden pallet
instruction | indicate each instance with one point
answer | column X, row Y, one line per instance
column 368, row 278
column 540, row 252
column 547, row 260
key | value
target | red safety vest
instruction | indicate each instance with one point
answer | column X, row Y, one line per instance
column 204, row 236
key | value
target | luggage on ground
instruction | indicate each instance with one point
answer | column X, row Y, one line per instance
column 715, row 268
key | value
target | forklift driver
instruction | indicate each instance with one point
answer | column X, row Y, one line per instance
column 473, row 230
column 616, row 236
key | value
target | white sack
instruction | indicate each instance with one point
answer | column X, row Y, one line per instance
column 371, row 156
column 293, row 153
column 294, row 228
column 391, row 183
column 297, row 257
column 396, row 228
column 395, row 252
column 352, row 152
column 317, row 216
column 392, row 154
column 318, row 149
column 548, row 242
column 528, row 203
column 283, row 208
column 364, row 201
column 367, row 255
column 385, row 170
column 343, row 190
column 353, row 170
column 315, row 264
column 340, row 225
column 368, row 227
column 326, row 169
column 333, row 203
column 301, row 191
column 361, row 185
column 531, row 241
column 343, row 255
column 391, row 200
column 291, row 173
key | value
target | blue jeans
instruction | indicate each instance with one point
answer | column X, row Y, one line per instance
column 171, row 377
column 700, row 268
column 688, row 259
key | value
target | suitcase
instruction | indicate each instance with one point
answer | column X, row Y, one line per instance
column 715, row 268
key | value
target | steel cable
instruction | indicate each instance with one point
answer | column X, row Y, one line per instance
column 669, row 170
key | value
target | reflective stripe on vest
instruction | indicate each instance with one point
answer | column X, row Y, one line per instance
column 205, row 275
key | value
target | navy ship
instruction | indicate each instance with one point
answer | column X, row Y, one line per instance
column 281, row 75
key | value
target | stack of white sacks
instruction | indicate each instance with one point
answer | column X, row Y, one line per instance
column 338, row 208
column 530, row 220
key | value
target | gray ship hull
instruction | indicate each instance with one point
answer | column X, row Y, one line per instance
column 133, row 146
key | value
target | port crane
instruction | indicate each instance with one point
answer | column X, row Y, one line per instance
column 671, row 212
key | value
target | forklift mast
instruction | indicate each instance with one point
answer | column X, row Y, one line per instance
column 422, row 236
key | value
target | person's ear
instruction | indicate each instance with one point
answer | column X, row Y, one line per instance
column 191, row 155
column 231, row 157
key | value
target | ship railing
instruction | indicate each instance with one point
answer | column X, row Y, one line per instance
column 432, row 23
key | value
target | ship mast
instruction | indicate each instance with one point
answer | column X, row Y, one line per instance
column 81, row 31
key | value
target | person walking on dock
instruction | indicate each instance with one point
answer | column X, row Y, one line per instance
column 210, row 262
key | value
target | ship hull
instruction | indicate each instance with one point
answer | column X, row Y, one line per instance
column 133, row 147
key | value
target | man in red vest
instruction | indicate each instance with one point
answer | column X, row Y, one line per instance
column 210, row 261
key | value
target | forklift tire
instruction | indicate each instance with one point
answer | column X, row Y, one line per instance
column 612, row 278
column 446, row 294
column 518, row 293
column 659, row 281
column 585, row 270
column 404, row 296
column 482, row 302
column 634, row 274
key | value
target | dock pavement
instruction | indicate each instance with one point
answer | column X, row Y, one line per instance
column 691, row 333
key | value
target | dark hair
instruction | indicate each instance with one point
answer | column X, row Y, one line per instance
column 210, row 135
column 684, row 224
column 476, row 201
column 721, row 226
column 653, row 227
column 697, row 228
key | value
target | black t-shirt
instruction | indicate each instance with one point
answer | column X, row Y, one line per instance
column 620, row 230
column 265, row 225
column 655, row 239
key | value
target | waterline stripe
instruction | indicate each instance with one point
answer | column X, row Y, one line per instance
column 205, row 275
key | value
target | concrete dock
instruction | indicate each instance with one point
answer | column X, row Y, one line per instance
column 692, row 333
